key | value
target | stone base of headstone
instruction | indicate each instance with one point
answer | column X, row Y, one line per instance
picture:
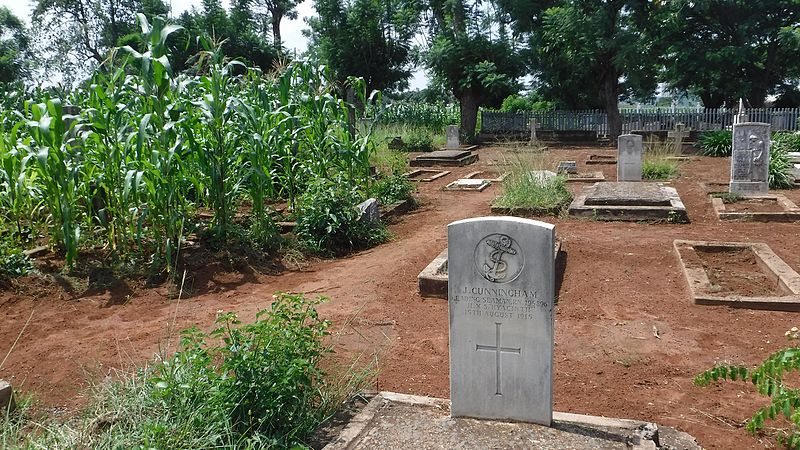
column 433, row 278
column 704, row 292
column 790, row 211
column 629, row 201
column 444, row 158
column 401, row 421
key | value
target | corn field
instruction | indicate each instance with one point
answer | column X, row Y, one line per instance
column 434, row 116
column 125, row 161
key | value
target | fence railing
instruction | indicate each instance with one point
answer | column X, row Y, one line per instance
column 495, row 122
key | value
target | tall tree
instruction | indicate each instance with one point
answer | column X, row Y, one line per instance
column 470, row 49
column 370, row 39
column 586, row 53
column 14, row 44
column 72, row 32
column 273, row 13
column 723, row 50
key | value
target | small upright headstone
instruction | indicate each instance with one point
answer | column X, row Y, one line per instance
column 7, row 403
column 532, row 125
column 750, row 159
column 500, row 291
column 677, row 135
column 567, row 167
column 542, row 176
column 629, row 157
column 453, row 140
column 741, row 116
column 369, row 211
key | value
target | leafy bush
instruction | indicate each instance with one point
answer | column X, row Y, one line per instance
column 392, row 189
column 330, row 222
column 13, row 261
column 768, row 379
column 255, row 385
column 418, row 142
column 716, row 143
column 659, row 169
column 516, row 102
column 780, row 176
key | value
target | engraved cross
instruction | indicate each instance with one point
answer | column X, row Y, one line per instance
column 498, row 349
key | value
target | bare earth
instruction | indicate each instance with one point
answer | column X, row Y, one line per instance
column 622, row 286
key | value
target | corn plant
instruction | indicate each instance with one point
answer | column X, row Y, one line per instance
column 58, row 172
column 16, row 189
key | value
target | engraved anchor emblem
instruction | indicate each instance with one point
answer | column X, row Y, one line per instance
column 495, row 269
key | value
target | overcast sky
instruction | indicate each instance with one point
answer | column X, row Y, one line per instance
column 291, row 30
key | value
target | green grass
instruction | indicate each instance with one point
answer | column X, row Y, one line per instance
column 521, row 190
column 257, row 385
column 656, row 164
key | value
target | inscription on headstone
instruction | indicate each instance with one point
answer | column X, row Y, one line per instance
column 750, row 159
column 629, row 157
column 500, row 290
column 453, row 141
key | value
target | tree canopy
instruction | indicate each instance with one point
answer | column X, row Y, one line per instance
column 14, row 44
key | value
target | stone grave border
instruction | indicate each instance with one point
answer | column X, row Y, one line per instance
column 790, row 213
column 429, row 162
column 674, row 213
column 524, row 212
column 436, row 175
column 639, row 440
column 499, row 179
column 433, row 278
column 396, row 210
column 464, row 147
column 595, row 177
column 601, row 159
column 772, row 265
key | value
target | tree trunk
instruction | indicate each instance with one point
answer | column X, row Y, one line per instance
column 611, row 101
column 276, row 32
column 468, row 105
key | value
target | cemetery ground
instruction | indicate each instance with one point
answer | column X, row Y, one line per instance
column 629, row 339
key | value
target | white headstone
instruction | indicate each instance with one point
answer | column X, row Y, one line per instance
column 500, row 290
column 750, row 159
column 629, row 157
column 453, row 140
column 532, row 125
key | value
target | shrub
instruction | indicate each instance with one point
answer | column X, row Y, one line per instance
column 780, row 176
column 255, row 385
column 13, row 261
column 768, row 379
column 330, row 222
column 716, row 143
column 516, row 102
column 418, row 142
column 392, row 189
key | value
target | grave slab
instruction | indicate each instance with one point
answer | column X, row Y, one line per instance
column 426, row 175
column 501, row 292
column 433, row 278
column 601, row 159
column 569, row 167
column 586, row 177
column 468, row 184
column 496, row 179
column 629, row 201
column 787, row 211
column 400, row 421
column 444, row 158
column 779, row 284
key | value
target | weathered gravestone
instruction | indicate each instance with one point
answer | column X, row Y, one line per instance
column 453, row 140
column 750, row 159
column 369, row 211
column 532, row 126
column 500, row 291
column 677, row 135
column 7, row 403
column 629, row 157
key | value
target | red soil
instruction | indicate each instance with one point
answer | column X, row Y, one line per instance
column 622, row 286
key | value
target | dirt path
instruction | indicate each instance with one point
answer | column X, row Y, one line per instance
column 621, row 286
